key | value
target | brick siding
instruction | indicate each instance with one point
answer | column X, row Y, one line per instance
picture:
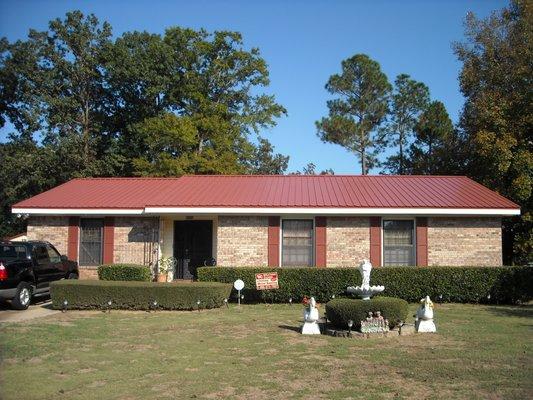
column 51, row 229
column 242, row 241
column 348, row 241
column 464, row 241
column 136, row 240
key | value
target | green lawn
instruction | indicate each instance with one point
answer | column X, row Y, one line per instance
column 255, row 352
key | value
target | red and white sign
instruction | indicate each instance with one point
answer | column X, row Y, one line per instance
column 266, row 280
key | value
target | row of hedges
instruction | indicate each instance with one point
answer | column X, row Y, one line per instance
column 90, row 295
column 455, row 284
column 340, row 311
column 124, row 272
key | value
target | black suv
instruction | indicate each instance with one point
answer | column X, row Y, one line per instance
column 27, row 268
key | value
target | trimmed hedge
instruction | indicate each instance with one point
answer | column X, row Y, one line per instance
column 505, row 285
column 124, row 272
column 340, row 311
column 90, row 295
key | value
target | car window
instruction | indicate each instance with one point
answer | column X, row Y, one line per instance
column 53, row 254
column 12, row 252
column 41, row 255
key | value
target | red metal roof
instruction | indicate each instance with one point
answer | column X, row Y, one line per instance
column 261, row 191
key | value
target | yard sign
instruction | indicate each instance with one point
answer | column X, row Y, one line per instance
column 266, row 280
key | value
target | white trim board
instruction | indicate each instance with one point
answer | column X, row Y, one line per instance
column 272, row 211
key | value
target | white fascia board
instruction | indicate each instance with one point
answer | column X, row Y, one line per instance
column 76, row 211
column 332, row 211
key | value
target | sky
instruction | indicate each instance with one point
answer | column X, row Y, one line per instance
column 303, row 43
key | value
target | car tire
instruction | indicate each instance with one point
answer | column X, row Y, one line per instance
column 73, row 275
column 22, row 298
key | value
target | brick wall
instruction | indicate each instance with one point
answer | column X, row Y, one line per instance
column 464, row 241
column 136, row 239
column 242, row 241
column 348, row 241
column 51, row 229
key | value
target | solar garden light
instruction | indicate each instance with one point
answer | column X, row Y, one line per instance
column 488, row 296
column 290, row 301
column 109, row 303
column 350, row 324
column 154, row 305
column 65, row 304
column 198, row 304
column 332, row 296
column 440, row 297
column 226, row 303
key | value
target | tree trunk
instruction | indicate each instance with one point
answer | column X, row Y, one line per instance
column 363, row 162
column 400, row 168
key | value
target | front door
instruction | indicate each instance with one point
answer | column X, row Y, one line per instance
column 193, row 246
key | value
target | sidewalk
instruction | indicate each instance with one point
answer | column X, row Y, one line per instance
column 39, row 310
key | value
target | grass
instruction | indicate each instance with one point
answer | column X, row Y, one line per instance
column 255, row 352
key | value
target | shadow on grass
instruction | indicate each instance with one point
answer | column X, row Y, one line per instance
column 525, row 311
column 290, row 328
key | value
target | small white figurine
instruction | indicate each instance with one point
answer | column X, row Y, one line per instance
column 424, row 317
column 310, row 326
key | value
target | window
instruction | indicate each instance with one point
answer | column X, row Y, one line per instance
column 398, row 242
column 297, row 245
column 91, row 241
column 10, row 252
column 53, row 255
column 41, row 255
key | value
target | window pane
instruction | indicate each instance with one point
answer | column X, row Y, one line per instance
column 398, row 242
column 41, row 255
column 297, row 242
column 91, row 241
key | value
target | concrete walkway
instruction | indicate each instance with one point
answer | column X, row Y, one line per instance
column 38, row 310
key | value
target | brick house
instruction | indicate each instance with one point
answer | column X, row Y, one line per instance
column 322, row 221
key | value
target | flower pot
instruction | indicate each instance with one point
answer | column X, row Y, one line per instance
column 162, row 277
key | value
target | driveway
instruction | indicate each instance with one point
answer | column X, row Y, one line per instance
column 37, row 310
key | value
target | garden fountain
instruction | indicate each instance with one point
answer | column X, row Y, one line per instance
column 365, row 291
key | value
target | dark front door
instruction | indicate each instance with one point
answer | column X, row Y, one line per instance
column 193, row 246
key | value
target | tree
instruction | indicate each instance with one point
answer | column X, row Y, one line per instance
column 408, row 100
column 361, row 105
column 144, row 104
column 496, row 81
column 434, row 138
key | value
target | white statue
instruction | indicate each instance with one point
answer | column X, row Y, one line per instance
column 365, row 268
column 310, row 326
column 365, row 291
column 424, row 316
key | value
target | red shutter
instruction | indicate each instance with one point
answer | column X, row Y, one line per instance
column 109, row 239
column 422, row 241
column 375, row 241
column 72, row 240
column 320, row 241
column 273, row 241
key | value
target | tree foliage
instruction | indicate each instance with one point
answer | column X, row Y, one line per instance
column 360, row 106
column 497, row 119
column 408, row 100
column 85, row 104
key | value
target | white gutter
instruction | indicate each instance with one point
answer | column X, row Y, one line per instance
column 271, row 211
column 330, row 211
column 77, row 211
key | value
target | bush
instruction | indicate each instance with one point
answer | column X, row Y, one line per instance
column 88, row 295
column 340, row 311
column 456, row 284
column 124, row 272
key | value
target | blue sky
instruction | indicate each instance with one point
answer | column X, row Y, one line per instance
column 303, row 43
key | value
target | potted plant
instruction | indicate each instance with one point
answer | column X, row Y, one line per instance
column 164, row 267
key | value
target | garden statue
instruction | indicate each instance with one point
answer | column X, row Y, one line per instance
column 310, row 326
column 365, row 291
column 424, row 316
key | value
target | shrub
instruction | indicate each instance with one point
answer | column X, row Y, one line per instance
column 340, row 311
column 455, row 284
column 124, row 272
column 86, row 295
